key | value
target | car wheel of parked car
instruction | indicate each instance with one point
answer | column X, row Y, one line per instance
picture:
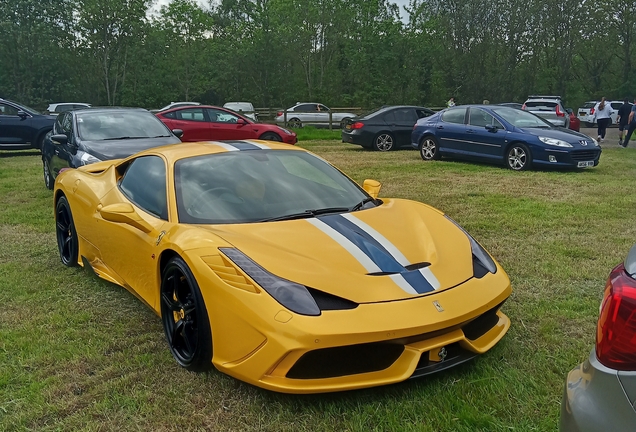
column 66, row 235
column 429, row 148
column 383, row 142
column 270, row 136
column 184, row 317
column 294, row 123
column 518, row 157
column 48, row 178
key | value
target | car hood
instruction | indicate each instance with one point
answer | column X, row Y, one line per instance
column 118, row 149
column 336, row 253
column 567, row 135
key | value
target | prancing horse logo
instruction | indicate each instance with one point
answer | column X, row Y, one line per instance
column 442, row 354
column 438, row 306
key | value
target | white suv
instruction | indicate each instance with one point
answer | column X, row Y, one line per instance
column 586, row 112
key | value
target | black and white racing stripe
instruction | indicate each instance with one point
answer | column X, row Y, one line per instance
column 375, row 252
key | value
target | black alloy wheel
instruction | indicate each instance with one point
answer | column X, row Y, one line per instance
column 384, row 142
column 271, row 136
column 518, row 157
column 429, row 149
column 184, row 317
column 67, row 242
column 48, row 178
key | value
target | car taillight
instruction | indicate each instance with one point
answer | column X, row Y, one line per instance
column 279, row 113
column 592, row 111
column 616, row 329
column 559, row 113
column 357, row 125
column 523, row 106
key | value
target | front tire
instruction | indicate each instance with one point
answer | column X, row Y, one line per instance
column 67, row 242
column 429, row 148
column 48, row 178
column 185, row 318
column 518, row 157
column 271, row 136
column 295, row 123
column 384, row 142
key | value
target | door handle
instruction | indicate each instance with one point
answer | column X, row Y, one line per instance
column 440, row 127
column 470, row 131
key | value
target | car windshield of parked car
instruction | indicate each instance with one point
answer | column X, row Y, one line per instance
column 261, row 185
column 239, row 106
column 113, row 125
column 522, row 119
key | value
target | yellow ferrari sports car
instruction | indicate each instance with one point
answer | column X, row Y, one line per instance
column 270, row 264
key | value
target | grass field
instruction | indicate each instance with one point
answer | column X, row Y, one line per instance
column 77, row 353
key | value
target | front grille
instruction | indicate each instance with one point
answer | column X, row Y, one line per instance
column 346, row 360
column 480, row 325
column 584, row 155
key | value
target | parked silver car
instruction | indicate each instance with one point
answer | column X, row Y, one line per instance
column 550, row 108
column 244, row 108
column 56, row 108
column 600, row 393
column 314, row 114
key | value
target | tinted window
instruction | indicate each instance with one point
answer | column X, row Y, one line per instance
column 57, row 127
column 8, row 110
column 66, row 123
column 616, row 105
column 454, row 115
column 192, row 114
column 422, row 113
column 305, row 108
column 144, row 183
column 405, row 115
column 389, row 117
column 589, row 104
column 118, row 124
column 172, row 115
column 322, row 108
column 220, row 116
column 541, row 106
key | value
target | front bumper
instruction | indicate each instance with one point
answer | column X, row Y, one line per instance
column 371, row 345
column 565, row 158
column 594, row 400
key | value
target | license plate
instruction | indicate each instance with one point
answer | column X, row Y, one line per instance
column 585, row 164
column 348, row 127
column 582, row 114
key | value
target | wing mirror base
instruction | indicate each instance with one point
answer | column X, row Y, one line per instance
column 372, row 187
column 124, row 213
column 59, row 139
column 177, row 132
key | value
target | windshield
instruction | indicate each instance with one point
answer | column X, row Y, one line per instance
column 522, row 119
column 111, row 125
column 260, row 185
column 239, row 106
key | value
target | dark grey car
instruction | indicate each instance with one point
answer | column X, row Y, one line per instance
column 600, row 394
column 86, row 136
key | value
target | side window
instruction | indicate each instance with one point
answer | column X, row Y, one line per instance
column 389, row 117
column 480, row 118
column 454, row 115
column 8, row 110
column 422, row 113
column 405, row 115
column 171, row 115
column 57, row 127
column 144, row 183
column 191, row 114
column 322, row 108
column 63, row 107
column 67, row 122
column 616, row 105
column 219, row 116
column 305, row 108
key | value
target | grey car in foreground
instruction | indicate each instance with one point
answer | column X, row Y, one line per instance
column 550, row 108
column 600, row 394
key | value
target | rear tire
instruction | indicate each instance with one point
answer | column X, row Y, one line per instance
column 429, row 148
column 384, row 142
column 185, row 317
column 67, row 242
column 294, row 123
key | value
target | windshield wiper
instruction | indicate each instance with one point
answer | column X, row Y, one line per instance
column 307, row 214
column 123, row 137
column 362, row 203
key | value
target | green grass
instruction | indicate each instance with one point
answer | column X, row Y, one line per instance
column 311, row 133
column 77, row 353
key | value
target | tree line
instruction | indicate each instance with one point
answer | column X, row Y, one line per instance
column 273, row 53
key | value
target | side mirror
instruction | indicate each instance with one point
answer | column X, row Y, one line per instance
column 22, row 114
column 491, row 128
column 59, row 139
column 124, row 213
column 177, row 132
column 569, row 110
column 241, row 122
column 372, row 187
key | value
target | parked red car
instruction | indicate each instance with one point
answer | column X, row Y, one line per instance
column 575, row 123
column 204, row 123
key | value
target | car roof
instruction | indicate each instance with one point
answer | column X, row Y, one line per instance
column 108, row 109
column 175, row 152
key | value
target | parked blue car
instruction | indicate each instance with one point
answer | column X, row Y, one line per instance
column 500, row 134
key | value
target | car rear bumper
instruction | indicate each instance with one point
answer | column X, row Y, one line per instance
column 356, row 137
column 594, row 400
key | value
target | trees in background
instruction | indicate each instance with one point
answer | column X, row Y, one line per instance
column 341, row 52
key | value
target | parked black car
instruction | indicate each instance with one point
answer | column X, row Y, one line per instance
column 86, row 136
column 22, row 127
column 385, row 129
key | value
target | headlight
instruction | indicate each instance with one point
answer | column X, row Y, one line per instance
column 87, row 158
column 554, row 142
column 479, row 253
column 595, row 142
column 293, row 296
column 284, row 130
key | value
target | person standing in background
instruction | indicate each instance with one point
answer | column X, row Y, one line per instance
column 450, row 103
column 623, row 120
column 632, row 125
column 603, row 116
